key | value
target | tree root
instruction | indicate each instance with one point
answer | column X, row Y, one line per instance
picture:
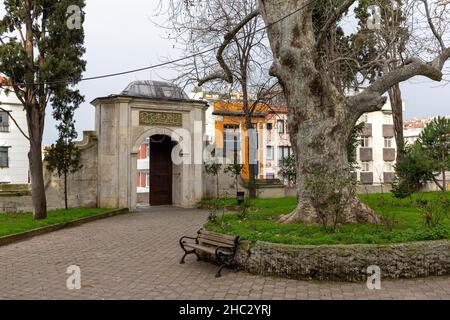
column 356, row 212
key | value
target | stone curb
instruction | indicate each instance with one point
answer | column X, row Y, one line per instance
column 5, row 240
column 346, row 263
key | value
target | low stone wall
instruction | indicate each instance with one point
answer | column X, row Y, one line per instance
column 346, row 262
column 81, row 186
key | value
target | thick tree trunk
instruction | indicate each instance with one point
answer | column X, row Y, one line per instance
column 320, row 121
column 38, row 197
column 250, row 142
column 395, row 96
column 66, row 205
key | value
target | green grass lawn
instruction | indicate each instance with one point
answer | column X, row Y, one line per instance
column 16, row 223
column 262, row 224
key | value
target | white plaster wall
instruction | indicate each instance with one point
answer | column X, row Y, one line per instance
column 17, row 173
column 274, row 139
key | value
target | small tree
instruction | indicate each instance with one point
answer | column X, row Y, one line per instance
column 412, row 172
column 64, row 158
column 435, row 142
column 213, row 169
column 288, row 169
column 41, row 49
column 352, row 145
column 331, row 196
column 236, row 170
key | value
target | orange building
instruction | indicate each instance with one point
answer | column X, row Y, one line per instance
column 231, row 134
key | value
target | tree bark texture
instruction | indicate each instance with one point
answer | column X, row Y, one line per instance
column 320, row 119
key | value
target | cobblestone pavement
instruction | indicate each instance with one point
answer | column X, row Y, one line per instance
column 136, row 256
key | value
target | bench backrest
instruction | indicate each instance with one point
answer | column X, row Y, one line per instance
column 216, row 239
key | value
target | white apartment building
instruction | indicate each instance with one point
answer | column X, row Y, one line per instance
column 14, row 147
column 278, row 144
column 377, row 151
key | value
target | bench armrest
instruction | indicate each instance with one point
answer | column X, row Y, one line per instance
column 232, row 253
column 186, row 237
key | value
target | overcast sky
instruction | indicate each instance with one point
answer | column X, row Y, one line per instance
column 120, row 36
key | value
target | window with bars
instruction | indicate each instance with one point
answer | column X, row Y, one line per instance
column 283, row 152
column 366, row 142
column 280, row 126
column 366, row 166
column 388, row 142
column 269, row 153
column 388, row 166
column 4, row 121
column 387, row 118
column 232, row 141
column 4, row 160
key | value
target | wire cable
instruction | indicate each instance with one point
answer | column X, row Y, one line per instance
column 155, row 66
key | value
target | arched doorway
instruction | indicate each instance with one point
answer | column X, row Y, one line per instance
column 159, row 181
column 160, row 171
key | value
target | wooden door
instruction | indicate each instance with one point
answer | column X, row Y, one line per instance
column 160, row 170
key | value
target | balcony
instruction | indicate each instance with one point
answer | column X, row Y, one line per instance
column 366, row 177
column 367, row 130
column 388, row 177
column 365, row 154
column 4, row 127
column 389, row 154
column 388, row 130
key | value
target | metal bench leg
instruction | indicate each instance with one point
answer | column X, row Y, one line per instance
column 185, row 254
column 218, row 274
column 198, row 256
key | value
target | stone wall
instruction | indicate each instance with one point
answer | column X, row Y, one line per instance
column 346, row 262
column 82, row 186
column 227, row 187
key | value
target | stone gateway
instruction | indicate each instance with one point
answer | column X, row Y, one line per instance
column 159, row 111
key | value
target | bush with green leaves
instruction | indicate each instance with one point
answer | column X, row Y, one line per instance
column 330, row 193
column 412, row 172
column 288, row 169
column 435, row 144
column 434, row 212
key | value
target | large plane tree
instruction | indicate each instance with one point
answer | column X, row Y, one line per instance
column 41, row 49
column 317, row 63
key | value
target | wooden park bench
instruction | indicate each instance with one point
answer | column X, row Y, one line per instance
column 221, row 247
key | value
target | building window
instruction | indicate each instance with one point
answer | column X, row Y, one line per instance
column 388, row 142
column 365, row 166
column 270, row 176
column 269, row 126
column 4, row 121
column 280, row 126
column 147, row 180
column 388, row 118
column 283, row 152
column 269, row 153
column 4, row 163
column 366, row 142
column 389, row 166
column 232, row 141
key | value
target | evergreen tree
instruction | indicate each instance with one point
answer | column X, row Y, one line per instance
column 41, row 49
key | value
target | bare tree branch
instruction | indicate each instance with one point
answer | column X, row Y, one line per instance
column 15, row 122
column 226, row 73
column 432, row 26
column 412, row 67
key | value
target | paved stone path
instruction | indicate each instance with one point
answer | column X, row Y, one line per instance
column 136, row 256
